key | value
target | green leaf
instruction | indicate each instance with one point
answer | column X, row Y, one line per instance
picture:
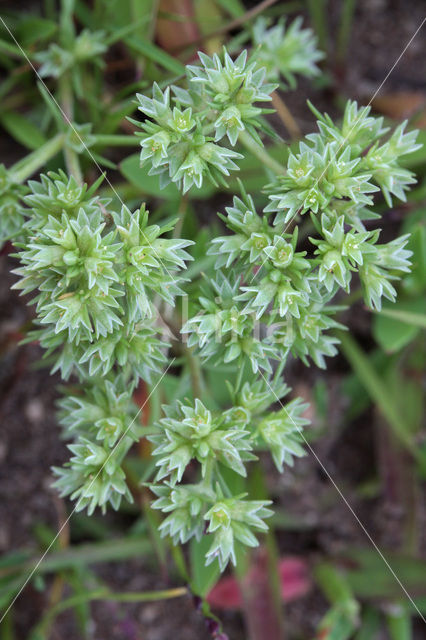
column 370, row 624
column 22, row 130
column 337, row 624
column 150, row 185
column 418, row 157
column 378, row 391
column 10, row 49
column 34, row 30
column 399, row 622
column 370, row 577
column 333, row 584
column 415, row 281
column 407, row 317
column 394, row 327
column 235, row 8
column 203, row 578
column 155, row 54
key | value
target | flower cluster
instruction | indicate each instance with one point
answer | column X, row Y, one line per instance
column 341, row 166
column 225, row 332
column 96, row 273
column 180, row 139
column 88, row 46
column 286, row 51
column 185, row 131
column 268, row 299
column 190, row 433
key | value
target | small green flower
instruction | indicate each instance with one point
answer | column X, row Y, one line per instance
column 282, row 433
column 183, row 122
column 185, row 506
column 278, row 290
column 192, row 432
column 93, row 477
column 229, row 123
column 104, row 410
column 233, row 520
column 88, row 46
column 286, row 51
column 224, row 332
column 155, row 148
column 389, row 261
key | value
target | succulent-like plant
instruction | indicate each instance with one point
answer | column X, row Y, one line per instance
column 103, row 277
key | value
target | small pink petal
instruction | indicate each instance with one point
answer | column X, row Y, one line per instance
column 294, row 577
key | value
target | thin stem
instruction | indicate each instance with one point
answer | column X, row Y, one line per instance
column 234, row 24
column 34, row 161
column 346, row 20
column 279, row 369
column 116, row 140
column 182, row 209
column 104, row 594
column 195, row 371
column 286, row 116
column 223, row 485
column 66, row 100
column 260, row 153
column 207, row 480
column 319, row 15
column 239, row 377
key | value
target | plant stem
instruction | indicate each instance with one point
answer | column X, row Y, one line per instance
column 239, row 377
column 319, row 13
column 195, row 372
column 104, row 594
column 67, row 104
column 116, row 140
column 260, row 153
column 259, row 579
column 34, row 161
column 346, row 19
column 279, row 369
column 207, row 481
column 234, row 24
column 286, row 116
column 182, row 209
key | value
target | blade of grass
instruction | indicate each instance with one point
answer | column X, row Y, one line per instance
column 104, row 594
column 377, row 390
column 318, row 13
column 155, row 54
column 414, row 319
column 346, row 18
column 399, row 622
column 86, row 554
column 370, row 624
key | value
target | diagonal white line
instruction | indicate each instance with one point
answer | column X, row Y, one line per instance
column 313, row 452
column 34, row 569
column 348, row 135
column 164, row 373
column 68, row 121
column 360, row 523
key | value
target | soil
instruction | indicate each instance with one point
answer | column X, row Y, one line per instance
column 30, row 442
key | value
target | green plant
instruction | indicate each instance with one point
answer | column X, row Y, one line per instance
column 205, row 326
column 98, row 273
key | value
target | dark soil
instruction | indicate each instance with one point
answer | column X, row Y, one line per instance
column 30, row 442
